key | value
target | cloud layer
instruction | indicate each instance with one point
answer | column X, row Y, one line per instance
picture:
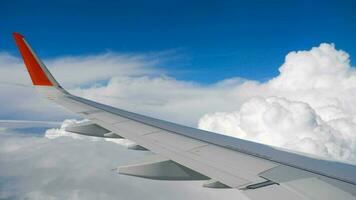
column 308, row 107
column 67, row 168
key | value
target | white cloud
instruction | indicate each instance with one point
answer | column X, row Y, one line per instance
column 19, row 96
column 69, row 70
column 322, row 67
column 132, row 83
column 308, row 107
column 55, row 133
column 164, row 97
column 290, row 124
column 82, row 70
column 68, row 168
column 27, row 124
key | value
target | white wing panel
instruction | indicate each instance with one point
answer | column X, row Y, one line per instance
column 106, row 117
column 135, row 128
column 174, row 141
column 72, row 105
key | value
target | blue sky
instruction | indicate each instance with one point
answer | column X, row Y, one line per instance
column 306, row 108
column 214, row 39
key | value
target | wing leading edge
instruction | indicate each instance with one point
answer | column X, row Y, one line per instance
column 257, row 170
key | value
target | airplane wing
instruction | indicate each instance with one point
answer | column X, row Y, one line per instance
column 184, row 153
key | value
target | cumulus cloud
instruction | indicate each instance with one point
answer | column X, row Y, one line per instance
column 322, row 67
column 54, row 133
column 290, row 124
column 308, row 107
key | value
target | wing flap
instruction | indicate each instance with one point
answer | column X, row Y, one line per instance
column 91, row 129
column 244, row 167
column 286, row 174
column 301, row 189
column 160, row 168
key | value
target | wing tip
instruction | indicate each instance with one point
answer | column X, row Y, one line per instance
column 37, row 73
column 17, row 35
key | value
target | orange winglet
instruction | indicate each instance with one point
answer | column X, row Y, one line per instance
column 32, row 63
